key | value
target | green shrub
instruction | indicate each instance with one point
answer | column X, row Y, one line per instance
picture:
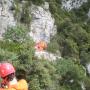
column 72, row 74
column 53, row 47
column 16, row 34
column 38, row 2
column 7, row 55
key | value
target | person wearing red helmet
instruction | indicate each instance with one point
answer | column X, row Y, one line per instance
column 6, row 69
column 9, row 81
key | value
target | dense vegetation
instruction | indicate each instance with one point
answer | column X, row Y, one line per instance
column 72, row 41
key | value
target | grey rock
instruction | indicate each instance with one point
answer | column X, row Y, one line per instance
column 6, row 16
column 46, row 55
column 70, row 4
column 88, row 68
column 42, row 24
column 88, row 13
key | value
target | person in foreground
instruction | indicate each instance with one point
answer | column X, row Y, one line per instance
column 9, row 81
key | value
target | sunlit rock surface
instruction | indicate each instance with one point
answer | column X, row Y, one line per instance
column 46, row 55
column 6, row 16
column 89, row 13
column 42, row 24
column 88, row 68
column 70, row 4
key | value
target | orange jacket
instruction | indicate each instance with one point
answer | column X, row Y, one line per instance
column 21, row 85
column 41, row 45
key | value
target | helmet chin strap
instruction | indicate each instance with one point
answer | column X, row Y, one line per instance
column 6, row 84
column 13, row 82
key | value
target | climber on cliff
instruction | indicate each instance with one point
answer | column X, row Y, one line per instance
column 9, row 81
column 40, row 46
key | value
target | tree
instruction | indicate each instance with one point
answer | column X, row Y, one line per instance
column 41, row 75
column 71, row 74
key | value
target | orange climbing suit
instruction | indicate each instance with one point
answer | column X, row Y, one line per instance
column 40, row 46
column 21, row 85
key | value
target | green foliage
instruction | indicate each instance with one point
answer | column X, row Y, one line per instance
column 6, row 55
column 22, row 14
column 16, row 8
column 53, row 47
column 70, row 48
column 72, row 74
column 26, row 52
column 81, row 13
column 25, row 14
column 16, row 34
column 87, row 83
column 72, row 41
column 42, row 73
column 17, row 48
column 73, row 33
column 38, row 2
column 66, row 66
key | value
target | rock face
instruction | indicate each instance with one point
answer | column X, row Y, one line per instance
column 70, row 4
column 46, row 55
column 42, row 24
column 88, row 68
column 6, row 16
column 42, row 28
column 89, row 13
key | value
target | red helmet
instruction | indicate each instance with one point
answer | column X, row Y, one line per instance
column 6, row 69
